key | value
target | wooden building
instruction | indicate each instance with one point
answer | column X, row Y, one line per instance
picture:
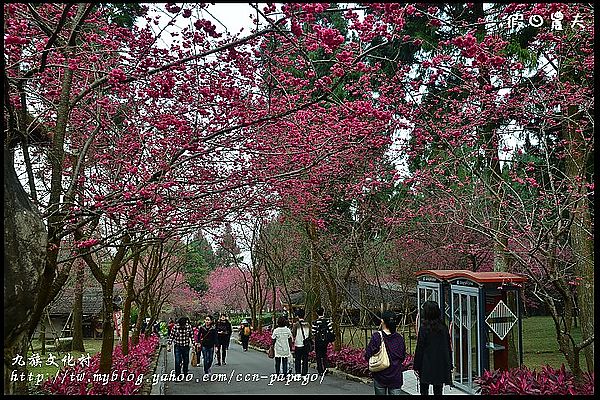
column 60, row 313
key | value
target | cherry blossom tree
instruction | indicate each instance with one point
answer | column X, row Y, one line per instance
column 111, row 87
column 483, row 87
column 120, row 137
column 226, row 290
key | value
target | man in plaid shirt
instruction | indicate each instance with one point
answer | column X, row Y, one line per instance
column 181, row 335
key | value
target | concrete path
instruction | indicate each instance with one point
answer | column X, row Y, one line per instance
column 253, row 372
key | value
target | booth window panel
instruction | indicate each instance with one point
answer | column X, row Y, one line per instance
column 465, row 337
column 465, row 334
column 474, row 334
column 422, row 296
column 428, row 294
column 447, row 309
column 457, row 337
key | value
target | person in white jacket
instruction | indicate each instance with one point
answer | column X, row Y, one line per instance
column 282, row 343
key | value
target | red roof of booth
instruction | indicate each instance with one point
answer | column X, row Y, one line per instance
column 480, row 277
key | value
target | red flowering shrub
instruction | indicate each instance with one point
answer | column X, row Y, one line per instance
column 126, row 376
column 548, row 381
column 261, row 339
column 348, row 359
column 352, row 361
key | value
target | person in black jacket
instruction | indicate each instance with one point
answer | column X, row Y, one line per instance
column 322, row 331
column 224, row 331
column 433, row 354
column 207, row 338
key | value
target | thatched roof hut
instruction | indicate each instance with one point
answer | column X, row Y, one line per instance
column 91, row 302
column 356, row 296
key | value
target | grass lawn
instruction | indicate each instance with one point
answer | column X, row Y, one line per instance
column 92, row 346
column 539, row 342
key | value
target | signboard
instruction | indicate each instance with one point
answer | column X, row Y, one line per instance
column 501, row 320
column 464, row 282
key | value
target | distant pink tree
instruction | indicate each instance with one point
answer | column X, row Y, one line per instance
column 225, row 290
column 182, row 296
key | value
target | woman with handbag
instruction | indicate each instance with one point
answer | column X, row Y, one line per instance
column 302, row 339
column 387, row 374
column 281, row 346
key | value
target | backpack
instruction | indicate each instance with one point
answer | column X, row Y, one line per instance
column 323, row 334
column 246, row 331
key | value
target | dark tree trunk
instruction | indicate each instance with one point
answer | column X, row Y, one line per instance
column 129, row 294
column 581, row 232
column 138, row 323
column 24, row 256
column 108, row 328
column 126, row 322
column 42, row 337
column 77, row 322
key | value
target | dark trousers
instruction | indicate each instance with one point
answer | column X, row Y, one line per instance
column 222, row 351
column 207, row 357
column 301, row 360
column 321, row 355
column 278, row 362
column 245, row 340
column 437, row 389
column 182, row 356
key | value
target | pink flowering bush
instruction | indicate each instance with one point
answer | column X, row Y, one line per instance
column 347, row 359
column 126, row 376
column 352, row 361
column 261, row 339
column 548, row 381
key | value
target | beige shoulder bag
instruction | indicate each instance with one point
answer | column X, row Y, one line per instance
column 380, row 360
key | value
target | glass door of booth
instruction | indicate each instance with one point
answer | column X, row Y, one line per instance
column 465, row 336
column 428, row 291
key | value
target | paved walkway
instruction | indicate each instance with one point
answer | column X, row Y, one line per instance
column 411, row 385
column 253, row 372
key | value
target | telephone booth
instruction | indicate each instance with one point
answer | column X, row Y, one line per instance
column 434, row 288
column 483, row 312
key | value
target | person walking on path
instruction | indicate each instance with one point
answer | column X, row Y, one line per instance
column 181, row 337
column 322, row 331
column 224, row 331
column 207, row 339
column 245, row 332
column 388, row 381
column 282, row 343
column 433, row 354
column 300, row 332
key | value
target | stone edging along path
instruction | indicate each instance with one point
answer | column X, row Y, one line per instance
column 148, row 387
column 334, row 371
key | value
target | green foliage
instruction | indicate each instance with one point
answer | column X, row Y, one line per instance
column 200, row 261
column 124, row 14
column 527, row 57
column 133, row 314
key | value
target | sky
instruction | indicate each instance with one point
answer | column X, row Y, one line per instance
column 228, row 17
